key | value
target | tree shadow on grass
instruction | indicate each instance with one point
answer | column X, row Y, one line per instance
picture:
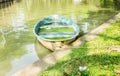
column 96, row 62
column 71, row 67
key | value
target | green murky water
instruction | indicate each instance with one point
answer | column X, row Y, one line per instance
column 18, row 46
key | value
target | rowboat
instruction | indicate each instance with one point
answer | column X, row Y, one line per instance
column 55, row 31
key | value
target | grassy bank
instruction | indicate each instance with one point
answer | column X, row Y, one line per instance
column 101, row 57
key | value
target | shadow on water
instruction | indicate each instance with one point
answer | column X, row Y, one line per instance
column 7, row 3
column 95, row 19
column 117, row 4
column 3, row 1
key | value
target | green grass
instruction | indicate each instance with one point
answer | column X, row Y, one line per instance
column 98, row 55
column 59, row 38
column 60, row 29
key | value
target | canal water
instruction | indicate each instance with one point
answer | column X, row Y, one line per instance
column 18, row 45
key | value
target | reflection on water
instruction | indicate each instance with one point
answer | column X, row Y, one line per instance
column 27, row 59
column 5, row 3
column 40, row 49
column 18, row 47
column 85, row 26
